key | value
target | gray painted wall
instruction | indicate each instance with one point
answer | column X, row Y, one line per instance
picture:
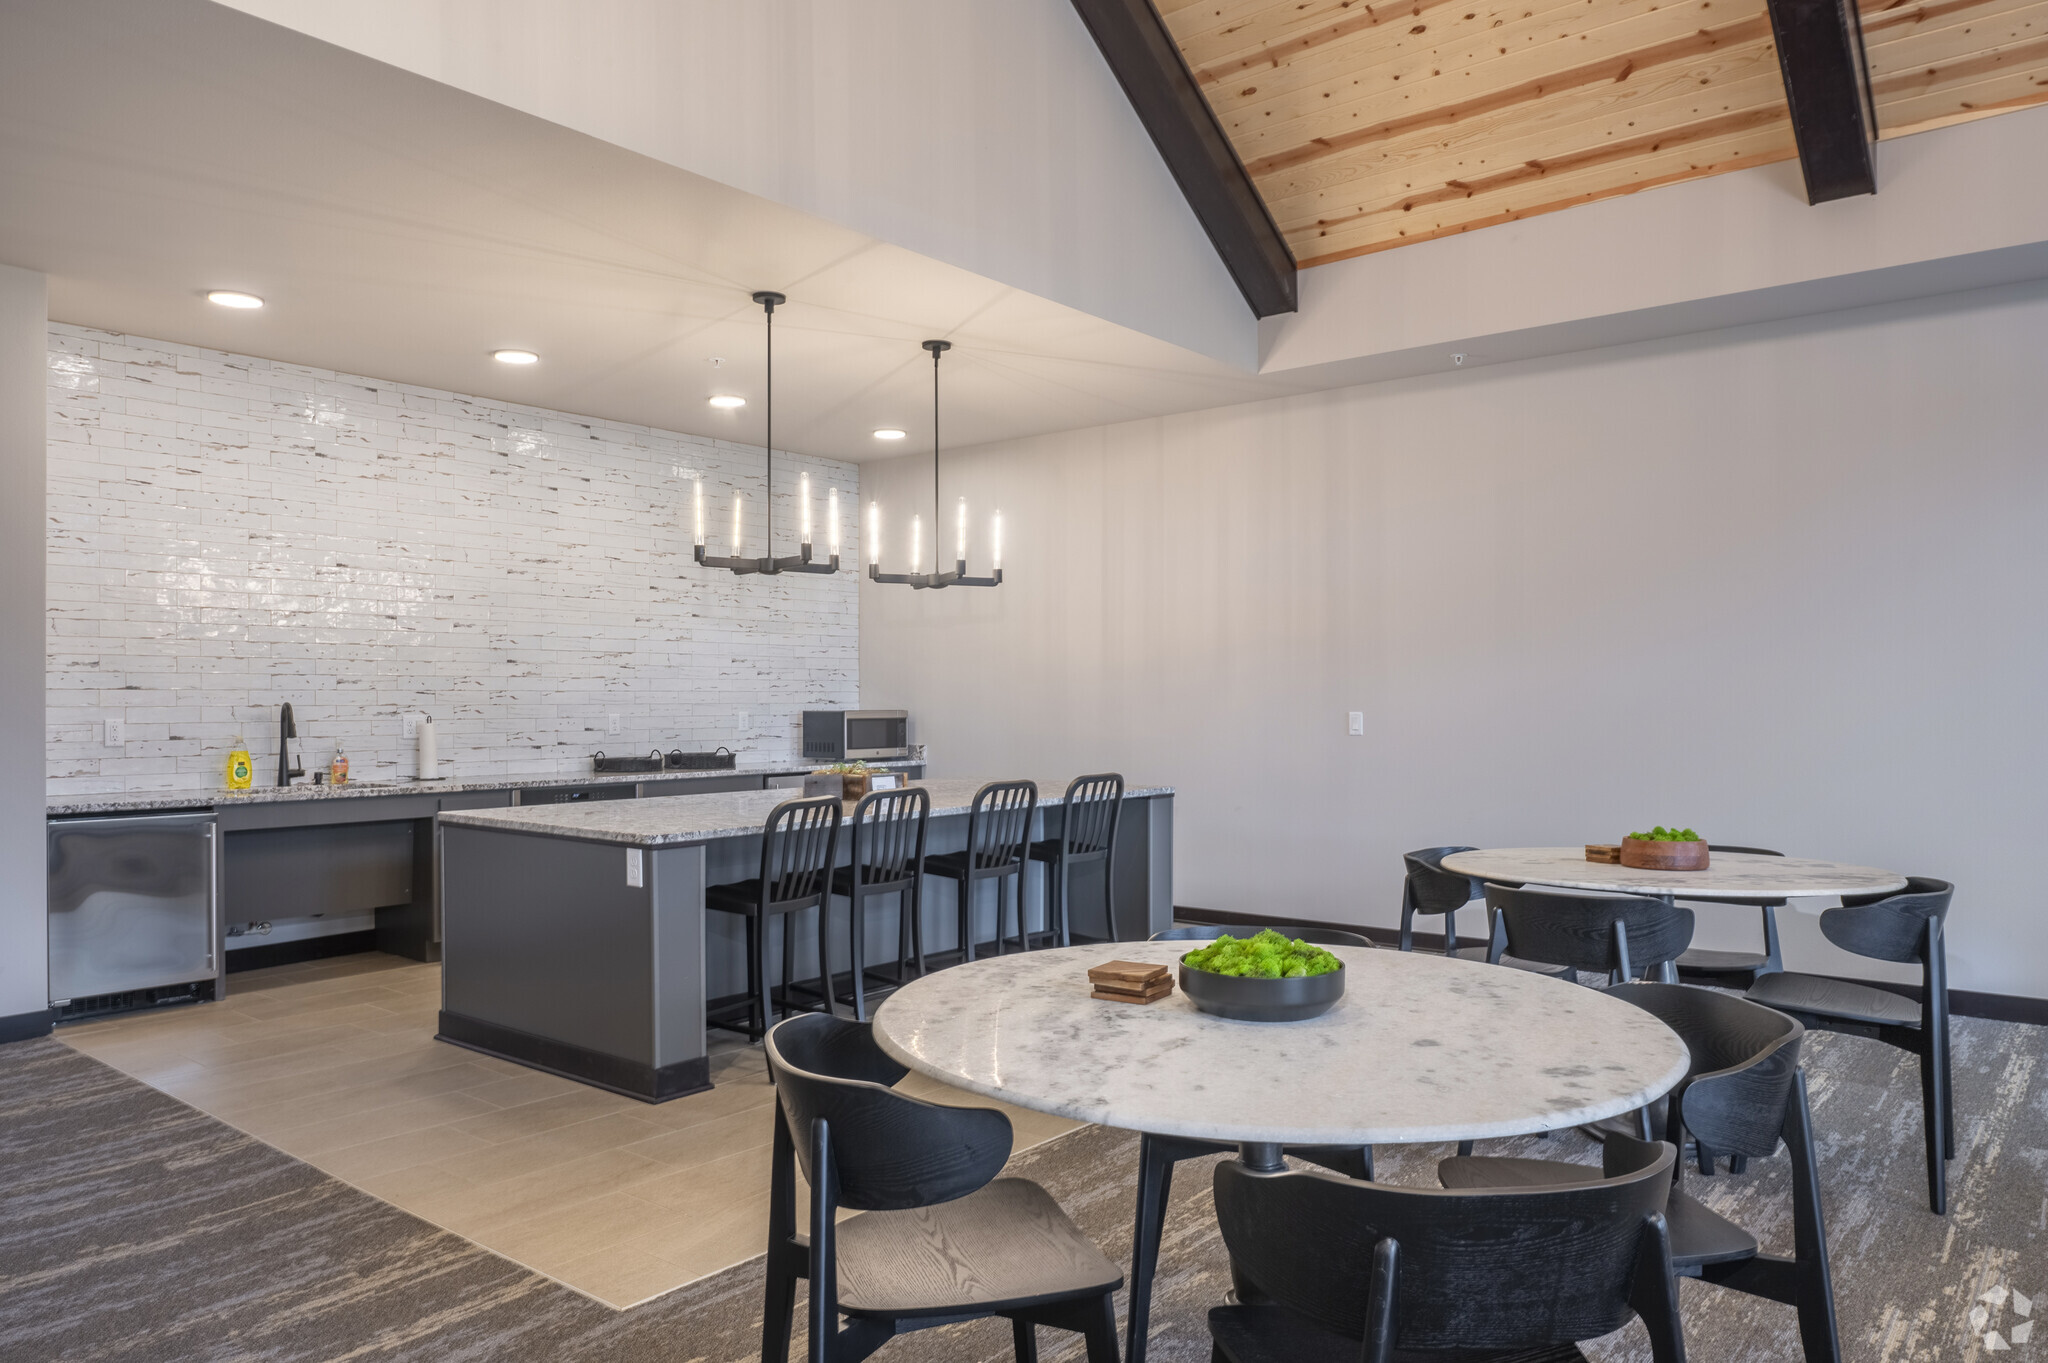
column 1784, row 583
column 24, row 351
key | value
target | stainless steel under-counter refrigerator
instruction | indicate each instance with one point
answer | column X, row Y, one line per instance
column 134, row 917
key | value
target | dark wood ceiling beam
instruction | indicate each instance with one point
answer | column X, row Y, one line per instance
column 1162, row 90
column 1820, row 53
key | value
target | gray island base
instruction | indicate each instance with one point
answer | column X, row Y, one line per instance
column 575, row 940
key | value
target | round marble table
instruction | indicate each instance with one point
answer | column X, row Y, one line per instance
column 1729, row 875
column 1420, row 1048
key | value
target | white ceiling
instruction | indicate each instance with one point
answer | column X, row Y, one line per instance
column 153, row 149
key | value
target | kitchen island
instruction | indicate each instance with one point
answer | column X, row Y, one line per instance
column 575, row 939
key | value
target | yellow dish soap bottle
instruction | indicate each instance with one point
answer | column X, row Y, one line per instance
column 241, row 771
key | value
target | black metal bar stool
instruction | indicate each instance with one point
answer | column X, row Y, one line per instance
column 887, row 836
column 1088, row 817
column 998, row 847
column 799, row 843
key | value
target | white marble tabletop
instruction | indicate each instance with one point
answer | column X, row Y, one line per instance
column 1420, row 1048
column 1729, row 875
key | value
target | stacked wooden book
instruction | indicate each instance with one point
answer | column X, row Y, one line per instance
column 1130, row 982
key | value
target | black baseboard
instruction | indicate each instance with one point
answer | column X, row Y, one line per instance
column 628, row 1077
column 1963, row 1003
column 300, row 949
column 27, row 1026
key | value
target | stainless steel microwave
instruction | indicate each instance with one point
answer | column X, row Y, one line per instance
column 855, row 735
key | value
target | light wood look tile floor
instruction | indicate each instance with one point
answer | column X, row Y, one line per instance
column 335, row 1062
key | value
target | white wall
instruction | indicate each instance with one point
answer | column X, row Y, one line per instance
column 24, row 905
column 1785, row 584
column 989, row 136
column 1962, row 207
column 229, row 533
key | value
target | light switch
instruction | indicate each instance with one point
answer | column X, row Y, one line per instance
column 611, row 724
column 1358, row 721
column 636, row 867
column 113, row 738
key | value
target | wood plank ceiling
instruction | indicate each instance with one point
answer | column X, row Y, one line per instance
column 1371, row 125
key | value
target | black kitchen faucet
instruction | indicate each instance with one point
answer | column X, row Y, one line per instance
column 286, row 732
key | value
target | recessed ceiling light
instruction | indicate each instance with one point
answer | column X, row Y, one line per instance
column 515, row 357
column 228, row 298
column 728, row 401
column 888, row 433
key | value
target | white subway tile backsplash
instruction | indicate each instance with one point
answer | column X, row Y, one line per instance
column 228, row 533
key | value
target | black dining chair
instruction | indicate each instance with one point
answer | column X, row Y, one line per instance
column 886, row 836
column 1353, row 1271
column 1904, row 926
column 799, row 843
column 942, row 1239
column 1616, row 935
column 1737, row 969
column 1158, row 1154
column 1742, row 1094
column 1088, row 817
column 1429, row 889
column 998, row 844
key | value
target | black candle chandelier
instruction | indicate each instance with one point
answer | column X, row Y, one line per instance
column 957, row 577
column 799, row 562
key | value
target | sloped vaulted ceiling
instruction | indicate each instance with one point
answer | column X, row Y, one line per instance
column 1367, row 126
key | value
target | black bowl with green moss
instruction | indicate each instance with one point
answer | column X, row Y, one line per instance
column 1266, row 978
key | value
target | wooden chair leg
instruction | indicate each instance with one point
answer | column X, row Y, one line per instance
column 1155, row 1184
column 1100, row 1331
column 1933, row 1116
column 1948, row 1102
column 1024, row 1336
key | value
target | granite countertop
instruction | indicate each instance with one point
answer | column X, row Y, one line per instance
column 676, row 820
column 130, row 802
column 1420, row 1048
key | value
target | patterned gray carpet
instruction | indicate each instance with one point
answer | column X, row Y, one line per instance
column 136, row 1230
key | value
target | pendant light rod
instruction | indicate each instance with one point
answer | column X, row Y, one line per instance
column 799, row 562
column 957, row 577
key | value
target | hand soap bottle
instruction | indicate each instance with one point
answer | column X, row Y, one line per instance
column 337, row 770
column 241, row 771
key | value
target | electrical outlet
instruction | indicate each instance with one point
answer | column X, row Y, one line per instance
column 410, row 724
column 636, row 868
column 746, row 721
column 113, row 737
column 1358, row 722
column 611, row 724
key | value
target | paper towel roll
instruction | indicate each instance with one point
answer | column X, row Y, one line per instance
column 429, row 759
